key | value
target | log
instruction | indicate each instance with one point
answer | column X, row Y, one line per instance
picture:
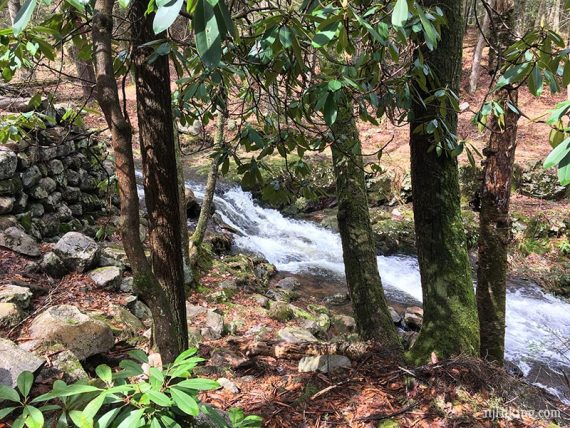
column 296, row 351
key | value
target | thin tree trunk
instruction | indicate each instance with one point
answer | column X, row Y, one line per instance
column 495, row 228
column 13, row 8
column 185, row 241
column 540, row 13
column 373, row 319
column 145, row 283
column 201, row 226
column 158, row 150
column 478, row 53
column 450, row 324
column 85, row 69
column 556, row 16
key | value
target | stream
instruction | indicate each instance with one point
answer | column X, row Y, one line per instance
column 538, row 324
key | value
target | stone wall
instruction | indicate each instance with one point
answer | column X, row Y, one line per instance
column 55, row 182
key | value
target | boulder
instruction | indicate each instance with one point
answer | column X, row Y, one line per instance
column 108, row 277
column 20, row 296
column 10, row 315
column 10, row 186
column 296, row 335
column 192, row 205
column 343, row 324
column 77, row 251
column 323, row 363
column 413, row 317
column 140, row 310
column 193, row 311
column 123, row 322
column 14, row 360
column 17, row 240
column 127, row 285
column 68, row 363
column 78, row 332
column 8, row 163
column 288, row 284
column 396, row 317
column 280, row 311
column 214, row 325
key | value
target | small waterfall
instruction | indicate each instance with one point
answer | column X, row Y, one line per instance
column 538, row 324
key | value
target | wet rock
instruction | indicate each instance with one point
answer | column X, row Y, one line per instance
column 78, row 332
column 193, row 207
column 296, row 335
column 10, row 315
column 77, row 251
column 323, row 363
column 107, row 278
column 338, row 299
column 280, row 311
column 17, row 240
column 228, row 385
column 413, row 317
column 8, row 163
column 14, row 360
column 20, row 296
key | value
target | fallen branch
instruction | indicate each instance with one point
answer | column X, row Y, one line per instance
column 296, row 351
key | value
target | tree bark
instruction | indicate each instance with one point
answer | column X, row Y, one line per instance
column 495, row 227
column 450, row 314
column 13, row 8
column 478, row 53
column 145, row 282
column 371, row 312
column 85, row 69
column 205, row 212
column 185, row 241
column 158, row 151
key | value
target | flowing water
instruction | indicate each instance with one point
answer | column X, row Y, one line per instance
column 538, row 324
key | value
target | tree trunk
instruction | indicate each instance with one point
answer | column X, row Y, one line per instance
column 158, row 151
column 200, row 231
column 13, row 8
column 555, row 16
column 373, row 319
column 145, row 283
column 85, row 69
column 478, row 53
column 450, row 314
column 495, row 227
column 185, row 241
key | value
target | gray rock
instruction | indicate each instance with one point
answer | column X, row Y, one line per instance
column 17, row 240
column 73, row 178
column 215, row 323
column 288, row 284
column 108, row 277
column 53, row 265
column 14, row 360
column 76, row 210
column 71, row 194
column 124, row 322
column 77, row 251
column 37, row 209
column 48, row 224
column 20, row 203
column 228, row 385
column 10, row 186
column 20, row 296
column 55, row 166
column 193, row 311
column 53, row 201
column 8, row 163
column 261, row 300
column 338, row 299
column 344, row 324
column 68, row 363
column 396, row 317
column 10, row 314
column 280, row 311
column 140, row 310
column 78, row 332
column 6, row 204
column 414, row 317
column 296, row 335
column 193, row 207
column 127, row 285
column 31, row 176
column 323, row 363
column 48, row 184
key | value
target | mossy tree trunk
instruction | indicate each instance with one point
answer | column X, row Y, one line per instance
column 371, row 312
column 450, row 323
column 167, row 336
column 495, row 225
column 158, row 150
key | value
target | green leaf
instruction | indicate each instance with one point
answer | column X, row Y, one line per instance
column 67, row 391
column 156, row 378
column 105, row 373
column 133, row 419
column 33, row 417
column 185, row 402
column 23, row 17
column 124, row 3
column 208, row 38
column 564, row 170
column 330, row 111
column 78, row 4
column 10, row 394
column 325, row 34
column 558, row 154
column 400, row 13
column 159, row 398
column 168, row 422
column 24, row 382
column 94, row 405
column 139, row 355
column 198, row 384
column 5, row 412
column 334, row 85
column 286, row 37
column 166, row 15
column 106, row 420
